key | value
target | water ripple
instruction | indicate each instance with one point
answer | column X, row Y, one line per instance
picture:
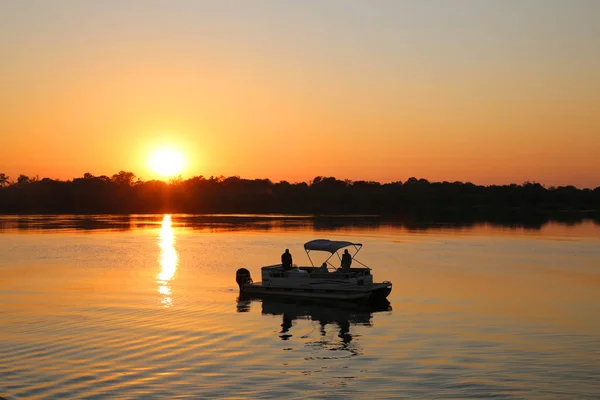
column 81, row 318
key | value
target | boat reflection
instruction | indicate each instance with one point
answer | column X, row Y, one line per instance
column 338, row 314
column 168, row 260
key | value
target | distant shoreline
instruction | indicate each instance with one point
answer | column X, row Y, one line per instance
column 415, row 199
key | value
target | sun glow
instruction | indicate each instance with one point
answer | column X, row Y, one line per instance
column 167, row 161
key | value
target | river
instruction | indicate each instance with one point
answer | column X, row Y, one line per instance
column 146, row 306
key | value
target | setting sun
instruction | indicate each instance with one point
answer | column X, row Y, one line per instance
column 167, row 161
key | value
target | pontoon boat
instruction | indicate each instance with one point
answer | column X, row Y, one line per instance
column 350, row 284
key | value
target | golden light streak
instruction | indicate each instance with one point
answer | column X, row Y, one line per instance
column 168, row 260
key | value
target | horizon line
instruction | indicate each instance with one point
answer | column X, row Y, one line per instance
column 170, row 180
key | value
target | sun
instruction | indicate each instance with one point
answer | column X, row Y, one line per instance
column 167, row 161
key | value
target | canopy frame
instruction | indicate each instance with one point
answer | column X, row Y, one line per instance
column 333, row 247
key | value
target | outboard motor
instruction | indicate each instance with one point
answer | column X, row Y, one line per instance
column 242, row 276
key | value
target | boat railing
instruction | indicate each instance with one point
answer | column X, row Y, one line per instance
column 277, row 271
column 356, row 273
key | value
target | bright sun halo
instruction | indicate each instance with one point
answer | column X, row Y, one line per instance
column 166, row 161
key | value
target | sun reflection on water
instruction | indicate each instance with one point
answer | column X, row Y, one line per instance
column 168, row 260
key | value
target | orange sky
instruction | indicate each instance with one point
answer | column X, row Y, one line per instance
column 488, row 93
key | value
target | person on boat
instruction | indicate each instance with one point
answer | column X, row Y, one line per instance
column 323, row 268
column 346, row 261
column 286, row 260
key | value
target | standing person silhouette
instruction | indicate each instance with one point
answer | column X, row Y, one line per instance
column 346, row 261
column 286, row 260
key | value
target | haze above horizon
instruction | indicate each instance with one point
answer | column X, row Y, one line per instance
column 486, row 92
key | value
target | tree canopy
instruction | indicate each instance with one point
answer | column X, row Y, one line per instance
column 415, row 198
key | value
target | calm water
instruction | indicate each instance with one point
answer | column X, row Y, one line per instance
column 146, row 307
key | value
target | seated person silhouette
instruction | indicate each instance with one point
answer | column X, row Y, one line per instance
column 323, row 268
column 286, row 260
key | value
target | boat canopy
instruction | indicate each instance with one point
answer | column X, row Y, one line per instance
column 331, row 246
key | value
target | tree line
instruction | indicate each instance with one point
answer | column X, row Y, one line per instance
column 123, row 193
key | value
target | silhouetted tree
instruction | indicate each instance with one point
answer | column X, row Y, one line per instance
column 175, row 180
column 3, row 179
column 124, row 178
column 414, row 200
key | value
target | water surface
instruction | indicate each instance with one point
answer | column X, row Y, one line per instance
column 147, row 307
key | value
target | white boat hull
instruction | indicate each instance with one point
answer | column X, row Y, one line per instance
column 309, row 283
column 377, row 291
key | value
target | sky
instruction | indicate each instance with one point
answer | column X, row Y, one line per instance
column 491, row 92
